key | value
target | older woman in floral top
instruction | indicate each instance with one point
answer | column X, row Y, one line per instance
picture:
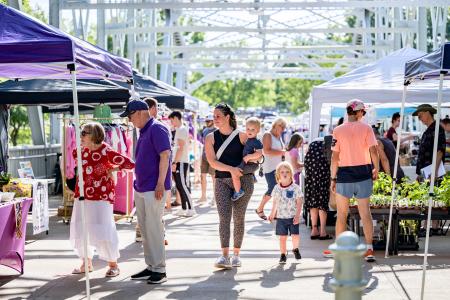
column 99, row 162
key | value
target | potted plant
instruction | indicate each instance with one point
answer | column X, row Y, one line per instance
column 382, row 191
column 5, row 178
column 442, row 192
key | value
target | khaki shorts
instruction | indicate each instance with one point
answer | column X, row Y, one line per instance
column 206, row 168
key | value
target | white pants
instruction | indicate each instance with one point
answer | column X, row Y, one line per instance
column 150, row 212
column 101, row 228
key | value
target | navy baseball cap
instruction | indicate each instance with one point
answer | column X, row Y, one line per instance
column 134, row 105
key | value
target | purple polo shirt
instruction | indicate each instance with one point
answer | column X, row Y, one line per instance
column 153, row 139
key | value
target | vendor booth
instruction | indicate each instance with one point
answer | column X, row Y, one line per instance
column 375, row 83
column 34, row 50
column 431, row 70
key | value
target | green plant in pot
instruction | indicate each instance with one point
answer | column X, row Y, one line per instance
column 442, row 192
column 382, row 190
column 5, row 178
column 413, row 195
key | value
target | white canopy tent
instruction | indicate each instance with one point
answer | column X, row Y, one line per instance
column 378, row 82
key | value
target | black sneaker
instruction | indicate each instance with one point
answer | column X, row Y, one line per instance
column 283, row 259
column 157, row 278
column 297, row 253
column 143, row 275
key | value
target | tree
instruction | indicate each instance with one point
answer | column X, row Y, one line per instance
column 18, row 120
column 289, row 94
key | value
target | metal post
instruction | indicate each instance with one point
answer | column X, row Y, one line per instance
column 394, row 174
column 432, row 181
column 80, row 176
column 348, row 282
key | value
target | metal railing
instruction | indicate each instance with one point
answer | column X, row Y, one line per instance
column 43, row 159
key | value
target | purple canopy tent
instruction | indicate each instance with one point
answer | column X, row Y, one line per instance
column 30, row 49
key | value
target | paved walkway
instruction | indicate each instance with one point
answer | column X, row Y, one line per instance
column 193, row 248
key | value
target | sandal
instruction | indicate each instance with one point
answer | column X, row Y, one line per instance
column 113, row 272
column 261, row 214
column 315, row 237
column 77, row 271
column 326, row 237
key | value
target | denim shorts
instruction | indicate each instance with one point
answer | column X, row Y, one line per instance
column 271, row 182
column 286, row 227
column 359, row 190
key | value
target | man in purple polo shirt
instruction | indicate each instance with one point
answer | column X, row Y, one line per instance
column 152, row 182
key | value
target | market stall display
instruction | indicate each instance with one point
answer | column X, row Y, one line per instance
column 408, row 211
column 33, row 49
column 13, row 225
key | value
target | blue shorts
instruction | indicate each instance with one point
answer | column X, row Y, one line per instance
column 271, row 182
column 286, row 227
column 359, row 190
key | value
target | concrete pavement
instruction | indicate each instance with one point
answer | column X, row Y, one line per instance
column 192, row 250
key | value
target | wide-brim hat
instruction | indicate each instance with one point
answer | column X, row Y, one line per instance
column 424, row 107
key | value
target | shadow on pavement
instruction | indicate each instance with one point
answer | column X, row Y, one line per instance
column 220, row 285
column 278, row 274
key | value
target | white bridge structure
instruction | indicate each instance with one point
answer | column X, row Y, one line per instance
column 223, row 39
column 188, row 43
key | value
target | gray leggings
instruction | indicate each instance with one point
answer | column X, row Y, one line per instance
column 226, row 208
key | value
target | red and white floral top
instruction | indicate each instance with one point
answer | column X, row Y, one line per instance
column 96, row 164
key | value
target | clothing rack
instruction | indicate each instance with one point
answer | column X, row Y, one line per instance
column 68, row 198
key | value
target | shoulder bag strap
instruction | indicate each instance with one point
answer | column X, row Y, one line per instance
column 226, row 143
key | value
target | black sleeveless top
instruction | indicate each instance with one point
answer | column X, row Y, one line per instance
column 232, row 155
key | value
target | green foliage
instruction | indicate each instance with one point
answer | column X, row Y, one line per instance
column 36, row 12
column 290, row 93
column 18, row 123
column 413, row 191
column 383, row 185
column 442, row 191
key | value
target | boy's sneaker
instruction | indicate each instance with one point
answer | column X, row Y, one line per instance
column 236, row 261
column 190, row 212
column 145, row 274
column 297, row 253
column 327, row 253
column 223, row 263
column 369, row 256
column 157, row 278
column 238, row 195
column 283, row 259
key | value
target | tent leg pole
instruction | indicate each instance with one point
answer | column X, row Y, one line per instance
column 432, row 182
column 394, row 172
column 80, row 179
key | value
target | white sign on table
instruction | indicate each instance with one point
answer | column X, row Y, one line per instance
column 40, row 204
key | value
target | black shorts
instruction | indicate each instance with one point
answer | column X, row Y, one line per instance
column 286, row 227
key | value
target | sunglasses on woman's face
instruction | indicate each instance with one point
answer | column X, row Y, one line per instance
column 85, row 133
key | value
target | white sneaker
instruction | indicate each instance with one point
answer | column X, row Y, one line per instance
column 180, row 213
column 223, row 263
column 212, row 203
column 190, row 213
column 236, row 261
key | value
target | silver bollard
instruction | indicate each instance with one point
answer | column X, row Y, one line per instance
column 348, row 282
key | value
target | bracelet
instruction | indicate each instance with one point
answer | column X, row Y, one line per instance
column 333, row 179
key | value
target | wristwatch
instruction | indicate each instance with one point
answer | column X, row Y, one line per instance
column 333, row 178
